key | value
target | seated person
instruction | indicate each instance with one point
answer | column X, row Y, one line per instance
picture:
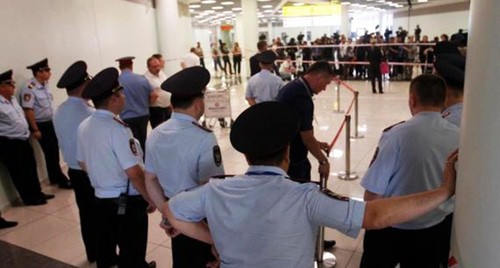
column 287, row 70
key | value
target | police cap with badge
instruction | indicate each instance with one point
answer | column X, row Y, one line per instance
column 264, row 128
column 452, row 68
column 266, row 57
column 6, row 78
column 103, row 85
column 187, row 83
column 74, row 76
column 42, row 65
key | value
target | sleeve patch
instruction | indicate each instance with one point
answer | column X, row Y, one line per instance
column 217, row 155
column 133, row 146
column 26, row 97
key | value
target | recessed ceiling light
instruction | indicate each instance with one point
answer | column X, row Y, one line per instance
column 227, row 3
column 194, row 6
column 208, row 1
column 236, row 9
column 298, row 4
column 423, row 1
column 217, row 8
column 345, row 3
column 267, row 6
column 268, row 11
column 227, row 12
column 263, row 0
column 209, row 11
column 192, row 10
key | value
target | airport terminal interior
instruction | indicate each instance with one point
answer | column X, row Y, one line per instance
column 101, row 31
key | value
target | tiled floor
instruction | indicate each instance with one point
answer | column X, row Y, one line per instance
column 53, row 229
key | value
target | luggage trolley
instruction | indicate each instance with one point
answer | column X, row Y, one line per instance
column 217, row 107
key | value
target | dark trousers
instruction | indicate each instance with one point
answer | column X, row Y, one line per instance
column 237, row 64
column 50, row 148
column 202, row 62
column 139, row 127
column 375, row 73
column 300, row 170
column 18, row 158
column 158, row 115
column 217, row 63
column 427, row 248
column 227, row 63
column 188, row 252
column 129, row 232
column 85, row 200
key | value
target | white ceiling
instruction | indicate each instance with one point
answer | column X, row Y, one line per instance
column 215, row 12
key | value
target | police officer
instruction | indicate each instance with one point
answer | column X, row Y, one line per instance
column 451, row 67
column 264, row 86
column 264, row 219
column 409, row 159
column 67, row 118
column 16, row 152
column 112, row 157
column 139, row 94
column 181, row 154
column 36, row 101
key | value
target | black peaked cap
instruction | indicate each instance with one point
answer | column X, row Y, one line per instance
column 188, row 82
column 74, row 76
column 264, row 128
column 102, row 85
column 6, row 76
column 39, row 66
column 128, row 58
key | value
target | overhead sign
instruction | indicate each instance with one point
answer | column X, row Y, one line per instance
column 327, row 9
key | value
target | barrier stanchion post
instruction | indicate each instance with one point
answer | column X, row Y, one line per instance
column 356, row 114
column 337, row 101
column 323, row 258
column 348, row 174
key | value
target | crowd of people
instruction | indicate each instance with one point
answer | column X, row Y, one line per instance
column 119, row 173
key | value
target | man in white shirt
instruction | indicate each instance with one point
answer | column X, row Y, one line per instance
column 160, row 110
column 191, row 59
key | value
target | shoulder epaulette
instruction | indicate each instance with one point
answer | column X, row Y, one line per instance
column 120, row 122
column 202, row 127
column 31, row 85
column 390, row 127
column 335, row 195
column 445, row 114
column 223, row 176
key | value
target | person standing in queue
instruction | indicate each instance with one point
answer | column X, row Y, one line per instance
column 16, row 152
column 112, row 157
column 254, row 62
column 181, row 154
column 139, row 94
column 263, row 219
column 36, row 101
column 67, row 118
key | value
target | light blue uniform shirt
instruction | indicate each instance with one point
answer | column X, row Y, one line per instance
column 137, row 90
column 38, row 97
column 411, row 158
column 107, row 148
column 264, row 86
column 182, row 154
column 13, row 124
column 67, row 118
column 266, row 220
column 453, row 114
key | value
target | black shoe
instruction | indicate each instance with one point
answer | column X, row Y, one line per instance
column 151, row 264
column 328, row 244
column 374, row 92
column 48, row 196
column 36, row 202
column 7, row 224
column 65, row 185
column 381, row 92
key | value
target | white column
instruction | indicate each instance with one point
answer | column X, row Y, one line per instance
column 476, row 237
column 345, row 22
column 251, row 29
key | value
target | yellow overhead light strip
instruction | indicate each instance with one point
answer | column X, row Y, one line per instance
column 312, row 10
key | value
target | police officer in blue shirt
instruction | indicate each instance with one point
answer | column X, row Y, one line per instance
column 16, row 152
column 139, row 94
column 451, row 67
column 409, row 159
column 67, row 118
column 264, row 86
column 36, row 101
column 264, row 219
column 112, row 157
column 181, row 154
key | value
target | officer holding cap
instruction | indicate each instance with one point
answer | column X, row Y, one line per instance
column 264, row 219
column 139, row 94
column 181, row 154
column 67, row 118
column 36, row 101
column 264, row 86
column 112, row 157
column 451, row 67
column 16, row 152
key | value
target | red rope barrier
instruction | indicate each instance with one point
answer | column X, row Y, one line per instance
column 330, row 146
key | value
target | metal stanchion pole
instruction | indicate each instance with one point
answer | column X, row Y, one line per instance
column 323, row 258
column 347, row 174
column 356, row 113
column 337, row 88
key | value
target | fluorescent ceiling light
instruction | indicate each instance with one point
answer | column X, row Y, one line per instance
column 227, row 3
column 236, row 9
column 194, row 6
column 268, row 11
column 345, row 3
column 267, row 6
column 208, row 1
column 423, row 1
column 298, row 4
column 217, row 8
column 263, row 0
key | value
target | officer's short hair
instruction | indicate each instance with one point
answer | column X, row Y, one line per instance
column 183, row 102
column 430, row 89
column 321, row 66
column 102, row 103
column 271, row 159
